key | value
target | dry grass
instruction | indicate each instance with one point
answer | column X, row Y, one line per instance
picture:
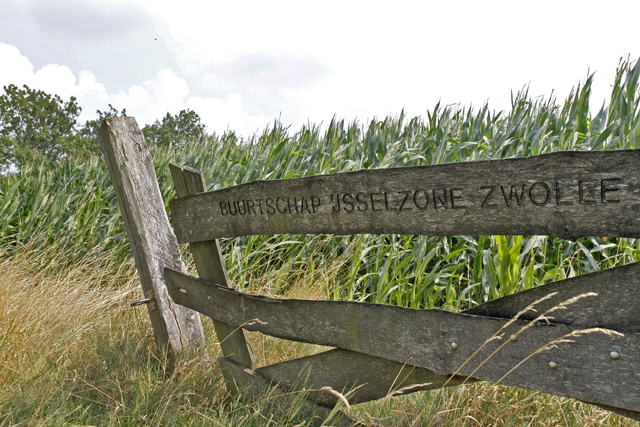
column 73, row 352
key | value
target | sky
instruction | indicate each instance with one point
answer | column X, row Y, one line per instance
column 243, row 64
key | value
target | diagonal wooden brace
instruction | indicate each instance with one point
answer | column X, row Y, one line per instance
column 580, row 362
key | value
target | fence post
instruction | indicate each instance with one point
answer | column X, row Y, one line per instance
column 210, row 265
column 154, row 246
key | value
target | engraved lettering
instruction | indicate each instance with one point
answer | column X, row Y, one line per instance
column 453, row 197
column 490, row 188
column 244, row 208
column 362, row 202
column 250, row 207
column 315, row 203
column 406, row 196
column 386, row 203
column 513, row 192
column 260, row 205
column 373, row 207
column 235, row 208
column 422, row 207
column 533, row 193
column 604, row 190
column 271, row 209
column 223, row 208
column 558, row 201
column 295, row 205
column 581, row 198
column 304, row 205
column 283, row 210
column 336, row 208
column 348, row 202
column 437, row 198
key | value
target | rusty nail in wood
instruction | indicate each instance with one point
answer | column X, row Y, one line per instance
column 142, row 301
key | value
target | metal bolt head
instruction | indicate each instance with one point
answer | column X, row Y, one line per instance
column 614, row 355
column 454, row 346
column 553, row 365
column 513, row 338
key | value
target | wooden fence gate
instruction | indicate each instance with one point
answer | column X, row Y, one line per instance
column 577, row 338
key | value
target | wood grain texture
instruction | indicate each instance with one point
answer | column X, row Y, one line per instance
column 618, row 289
column 254, row 386
column 564, row 194
column 424, row 338
column 210, row 266
column 176, row 328
column 358, row 376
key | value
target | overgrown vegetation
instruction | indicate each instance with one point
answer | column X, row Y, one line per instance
column 64, row 248
column 71, row 206
column 76, row 354
column 42, row 129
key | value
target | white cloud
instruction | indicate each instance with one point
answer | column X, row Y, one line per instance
column 221, row 114
column 147, row 102
column 14, row 67
column 242, row 64
column 381, row 58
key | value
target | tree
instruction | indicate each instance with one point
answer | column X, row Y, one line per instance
column 91, row 127
column 175, row 129
column 35, row 125
column 88, row 141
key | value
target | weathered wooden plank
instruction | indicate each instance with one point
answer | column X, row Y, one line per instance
column 565, row 194
column 426, row 338
column 210, row 266
column 154, row 246
column 254, row 386
column 615, row 308
column 617, row 288
column 368, row 377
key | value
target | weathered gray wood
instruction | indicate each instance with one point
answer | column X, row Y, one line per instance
column 424, row 338
column 210, row 266
column 254, row 386
column 368, row 377
column 154, row 246
column 615, row 307
column 618, row 289
column 565, row 194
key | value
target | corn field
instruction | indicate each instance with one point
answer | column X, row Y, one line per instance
column 70, row 209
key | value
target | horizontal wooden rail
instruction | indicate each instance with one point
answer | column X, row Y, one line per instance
column 367, row 377
column 565, row 194
column 443, row 341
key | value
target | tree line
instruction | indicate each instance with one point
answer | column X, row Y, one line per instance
column 39, row 127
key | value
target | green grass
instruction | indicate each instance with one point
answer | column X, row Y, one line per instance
column 72, row 352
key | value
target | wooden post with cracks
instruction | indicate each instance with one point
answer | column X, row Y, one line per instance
column 176, row 328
